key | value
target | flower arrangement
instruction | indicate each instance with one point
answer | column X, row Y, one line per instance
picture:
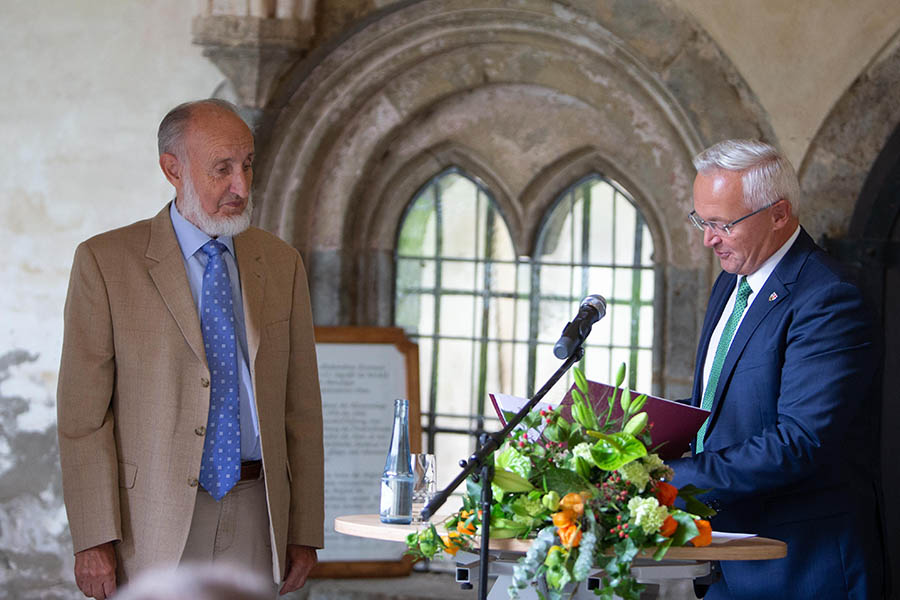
column 586, row 490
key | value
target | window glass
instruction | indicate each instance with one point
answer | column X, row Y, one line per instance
column 486, row 319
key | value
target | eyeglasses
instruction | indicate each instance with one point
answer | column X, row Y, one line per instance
column 719, row 228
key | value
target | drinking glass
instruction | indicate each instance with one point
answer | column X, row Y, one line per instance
column 424, row 483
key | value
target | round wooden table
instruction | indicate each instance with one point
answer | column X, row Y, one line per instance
column 722, row 548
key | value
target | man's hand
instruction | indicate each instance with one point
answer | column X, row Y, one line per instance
column 95, row 571
column 300, row 561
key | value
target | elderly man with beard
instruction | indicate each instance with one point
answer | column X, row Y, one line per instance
column 190, row 421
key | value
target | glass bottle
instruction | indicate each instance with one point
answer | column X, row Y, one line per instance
column 397, row 480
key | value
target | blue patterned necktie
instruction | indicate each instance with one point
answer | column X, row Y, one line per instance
column 220, row 468
column 740, row 304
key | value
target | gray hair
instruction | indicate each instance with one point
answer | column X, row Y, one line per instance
column 172, row 128
column 767, row 175
column 198, row 582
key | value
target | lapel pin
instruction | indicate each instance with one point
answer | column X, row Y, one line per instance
column 773, row 297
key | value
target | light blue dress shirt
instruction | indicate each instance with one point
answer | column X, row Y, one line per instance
column 191, row 239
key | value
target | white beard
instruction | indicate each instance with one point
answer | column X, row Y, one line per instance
column 212, row 226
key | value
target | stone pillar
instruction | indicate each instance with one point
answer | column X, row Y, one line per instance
column 254, row 42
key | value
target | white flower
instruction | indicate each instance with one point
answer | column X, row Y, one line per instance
column 647, row 514
column 636, row 473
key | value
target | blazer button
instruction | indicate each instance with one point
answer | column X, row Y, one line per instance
column 204, row 382
column 193, row 482
column 200, row 430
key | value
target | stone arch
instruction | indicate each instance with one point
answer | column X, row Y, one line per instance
column 391, row 191
column 513, row 91
column 834, row 171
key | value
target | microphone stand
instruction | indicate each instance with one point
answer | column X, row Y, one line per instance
column 488, row 443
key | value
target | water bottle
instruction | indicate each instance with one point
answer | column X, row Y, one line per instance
column 397, row 480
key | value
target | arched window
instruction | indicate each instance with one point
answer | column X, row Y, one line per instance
column 462, row 295
column 486, row 319
column 594, row 241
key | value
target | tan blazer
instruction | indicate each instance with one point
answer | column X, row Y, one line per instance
column 134, row 392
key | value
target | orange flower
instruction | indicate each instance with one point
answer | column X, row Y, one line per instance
column 451, row 543
column 705, row 536
column 573, row 502
column 563, row 518
column 570, row 536
column 464, row 529
column 666, row 493
column 668, row 527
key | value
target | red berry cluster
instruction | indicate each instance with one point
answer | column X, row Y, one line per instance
column 621, row 529
column 613, row 489
column 549, row 416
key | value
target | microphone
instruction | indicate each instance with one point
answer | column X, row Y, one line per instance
column 592, row 309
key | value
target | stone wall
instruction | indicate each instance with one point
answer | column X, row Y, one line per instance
column 86, row 84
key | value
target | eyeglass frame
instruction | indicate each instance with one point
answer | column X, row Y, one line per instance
column 715, row 228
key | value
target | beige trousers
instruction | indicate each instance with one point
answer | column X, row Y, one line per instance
column 234, row 530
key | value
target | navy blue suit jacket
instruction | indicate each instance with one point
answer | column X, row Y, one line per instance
column 791, row 451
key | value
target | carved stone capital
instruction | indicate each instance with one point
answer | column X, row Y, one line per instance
column 252, row 52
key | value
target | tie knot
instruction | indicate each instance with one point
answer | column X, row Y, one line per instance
column 213, row 248
column 744, row 289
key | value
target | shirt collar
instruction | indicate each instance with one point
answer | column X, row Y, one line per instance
column 758, row 278
column 191, row 238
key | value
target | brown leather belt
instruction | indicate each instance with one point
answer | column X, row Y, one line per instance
column 251, row 469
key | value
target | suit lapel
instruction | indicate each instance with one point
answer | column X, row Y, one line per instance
column 252, row 269
column 171, row 280
column 774, row 292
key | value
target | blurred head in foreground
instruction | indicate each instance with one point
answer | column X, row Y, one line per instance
column 198, row 582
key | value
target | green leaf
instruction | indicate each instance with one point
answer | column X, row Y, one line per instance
column 694, row 506
column 511, row 460
column 688, row 493
column 505, row 533
column 614, row 450
column 473, row 490
column 686, row 528
column 661, row 549
column 626, row 550
column 563, row 427
column 691, row 490
column 583, row 467
column 564, row 481
column 551, row 432
column 511, row 482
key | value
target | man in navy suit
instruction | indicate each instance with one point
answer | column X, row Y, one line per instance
column 786, row 364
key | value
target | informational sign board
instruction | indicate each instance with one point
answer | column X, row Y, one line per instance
column 361, row 371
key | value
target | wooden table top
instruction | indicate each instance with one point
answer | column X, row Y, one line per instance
column 750, row 548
